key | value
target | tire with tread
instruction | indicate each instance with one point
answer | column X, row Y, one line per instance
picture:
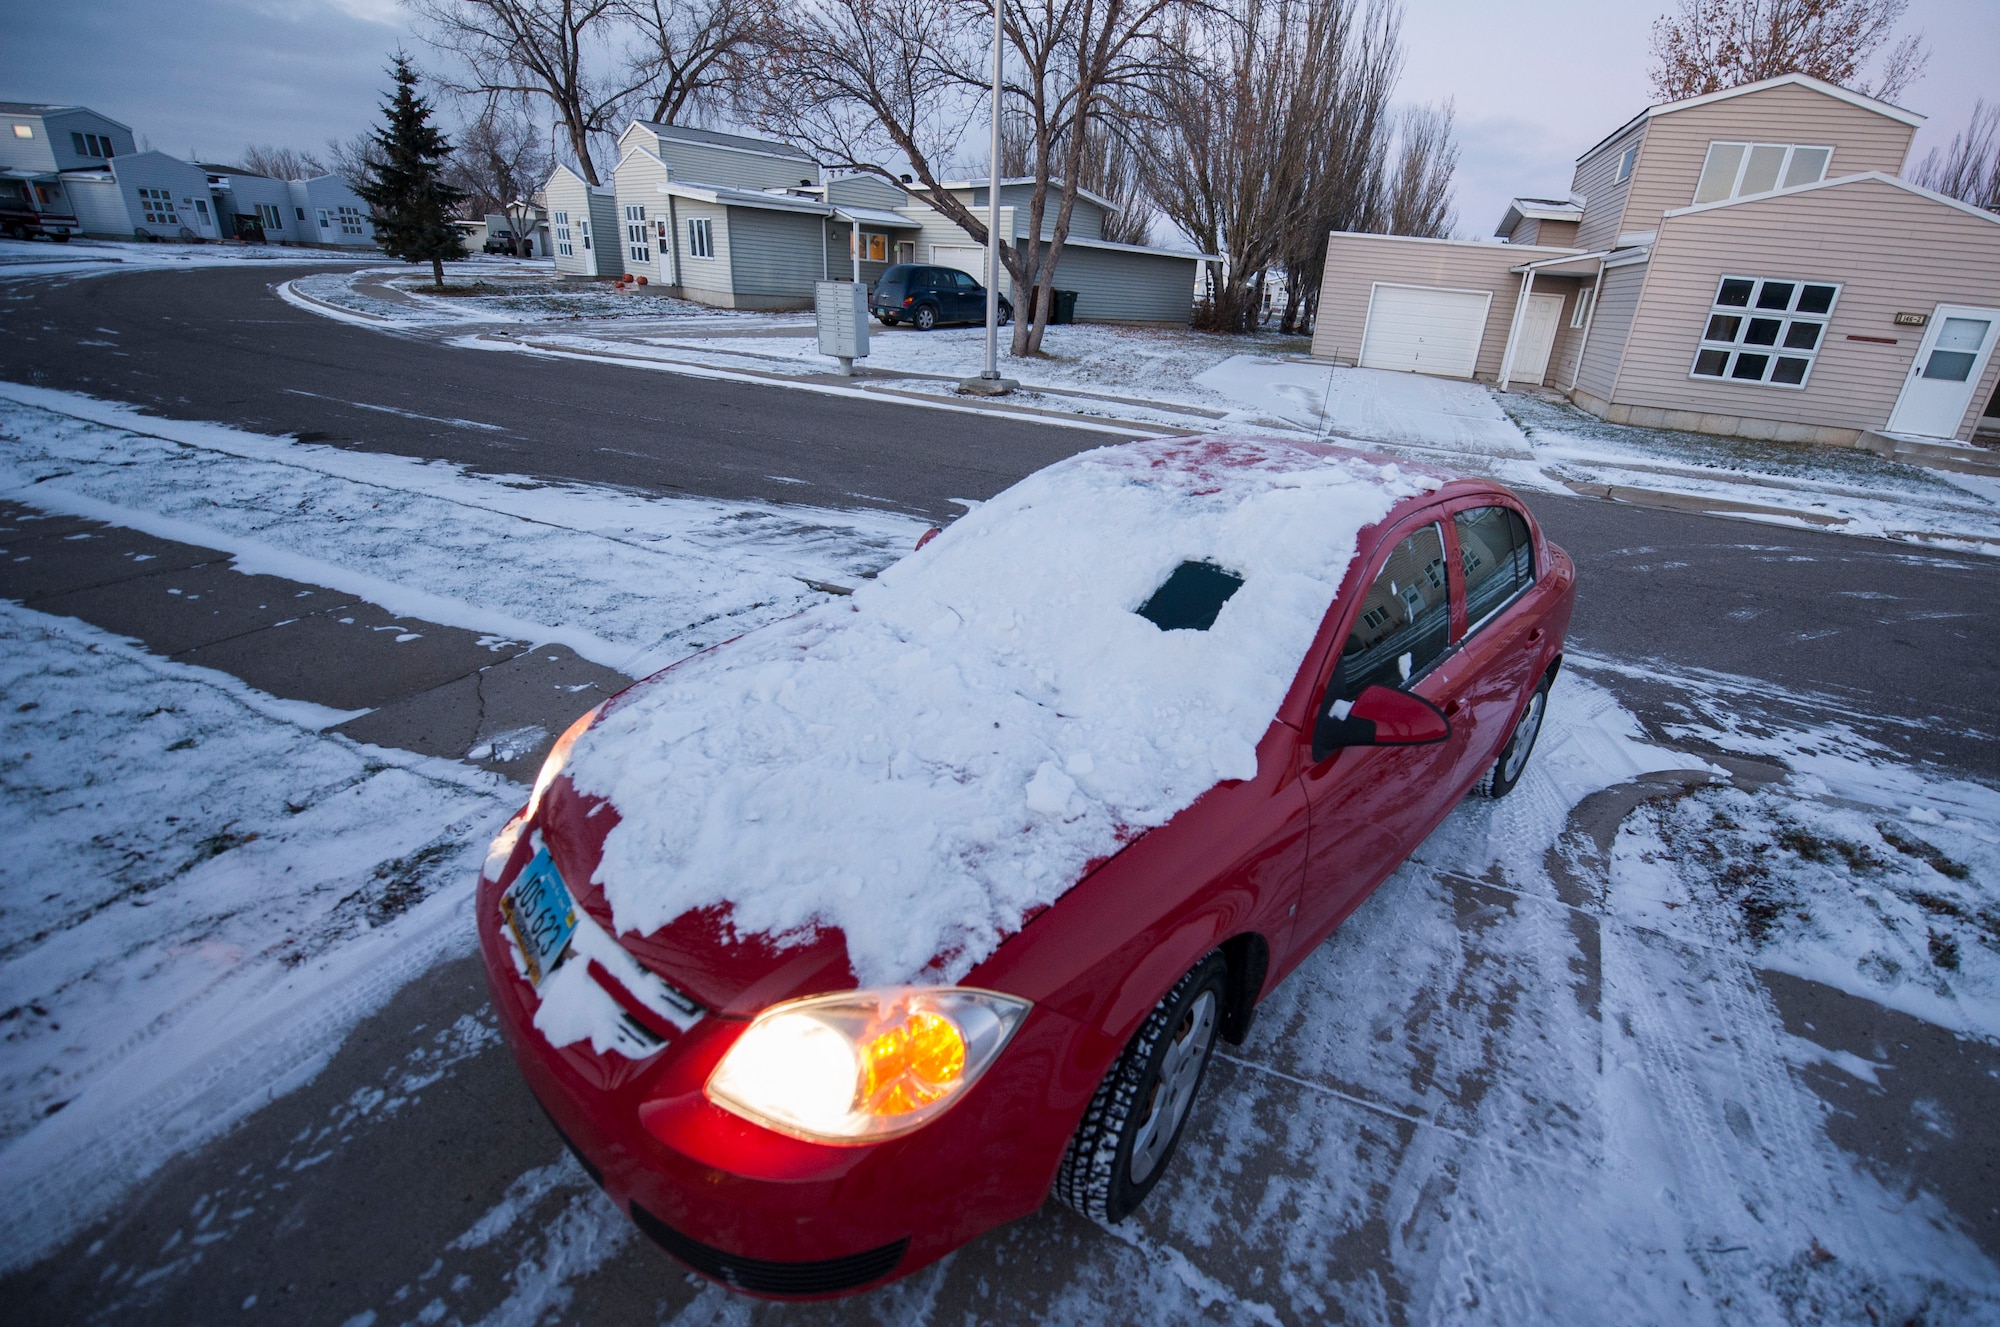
column 1097, row 1177
column 925, row 318
column 1512, row 762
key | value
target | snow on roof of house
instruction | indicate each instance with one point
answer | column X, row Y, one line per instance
column 1834, row 90
column 43, row 108
column 735, row 142
column 925, row 765
column 875, row 216
column 776, row 200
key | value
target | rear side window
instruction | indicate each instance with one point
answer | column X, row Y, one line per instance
column 1499, row 558
column 1405, row 620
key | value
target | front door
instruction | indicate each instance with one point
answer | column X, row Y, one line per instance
column 1538, row 337
column 1947, row 368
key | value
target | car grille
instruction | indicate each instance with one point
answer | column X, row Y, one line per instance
column 772, row 1278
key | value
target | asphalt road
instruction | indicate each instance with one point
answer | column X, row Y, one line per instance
column 1897, row 639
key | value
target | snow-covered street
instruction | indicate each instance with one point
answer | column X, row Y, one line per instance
column 1699, row 1025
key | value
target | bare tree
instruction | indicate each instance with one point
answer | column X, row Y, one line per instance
column 354, row 159
column 281, row 163
column 1417, row 200
column 1708, row 45
column 691, row 53
column 1113, row 169
column 1272, row 135
column 871, row 84
column 1968, row 170
column 550, row 50
column 502, row 159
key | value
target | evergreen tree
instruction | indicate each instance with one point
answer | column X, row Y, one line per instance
column 406, row 186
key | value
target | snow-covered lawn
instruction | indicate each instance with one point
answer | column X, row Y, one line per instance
column 204, row 889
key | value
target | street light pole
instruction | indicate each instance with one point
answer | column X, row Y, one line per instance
column 989, row 382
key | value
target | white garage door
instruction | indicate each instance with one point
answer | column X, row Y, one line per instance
column 964, row 258
column 1425, row 329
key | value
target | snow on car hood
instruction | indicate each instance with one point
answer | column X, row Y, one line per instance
column 928, row 763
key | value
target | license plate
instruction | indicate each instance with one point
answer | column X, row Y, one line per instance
column 541, row 914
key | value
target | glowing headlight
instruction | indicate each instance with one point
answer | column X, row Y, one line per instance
column 861, row 1066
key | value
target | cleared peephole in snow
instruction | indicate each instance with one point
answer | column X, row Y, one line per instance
column 1191, row 597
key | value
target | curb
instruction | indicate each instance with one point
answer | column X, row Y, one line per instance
column 1686, row 502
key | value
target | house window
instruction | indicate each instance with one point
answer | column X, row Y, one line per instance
column 1579, row 314
column 157, row 206
column 24, row 131
column 1732, row 170
column 701, row 238
column 638, row 242
column 90, row 145
column 269, row 216
column 583, row 228
column 565, row 244
column 301, row 211
column 1764, row 329
column 1626, row 161
column 350, row 220
column 874, row 248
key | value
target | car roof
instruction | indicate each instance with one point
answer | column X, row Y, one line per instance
column 949, row 748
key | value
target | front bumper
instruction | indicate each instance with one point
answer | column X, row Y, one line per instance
column 770, row 1214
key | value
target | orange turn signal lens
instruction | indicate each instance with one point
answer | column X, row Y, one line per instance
column 911, row 1065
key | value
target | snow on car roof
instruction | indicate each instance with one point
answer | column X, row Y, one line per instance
column 927, row 764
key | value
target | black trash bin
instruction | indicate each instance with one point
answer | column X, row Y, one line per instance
column 1065, row 309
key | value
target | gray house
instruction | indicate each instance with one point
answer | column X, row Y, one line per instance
column 747, row 223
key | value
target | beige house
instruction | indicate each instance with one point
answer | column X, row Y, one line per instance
column 1749, row 263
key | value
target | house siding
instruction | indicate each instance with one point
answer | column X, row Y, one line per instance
column 1889, row 250
column 1086, row 219
column 1605, row 198
column 51, row 148
column 865, row 191
column 1677, row 143
column 637, row 182
column 1554, row 234
column 774, row 257
column 934, row 227
column 839, row 263
column 1115, row 286
column 700, row 162
column 704, row 279
column 1355, row 262
column 567, row 192
column 1610, row 324
column 156, row 170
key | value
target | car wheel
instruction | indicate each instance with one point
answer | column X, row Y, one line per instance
column 1134, row 1121
column 1006, row 313
column 1513, row 761
column 925, row 318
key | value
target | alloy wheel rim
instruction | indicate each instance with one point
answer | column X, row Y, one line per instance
column 1524, row 737
column 1173, row 1091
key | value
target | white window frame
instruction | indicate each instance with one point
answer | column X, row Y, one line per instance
column 1627, row 160
column 269, row 217
column 1579, row 313
column 1735, row 348
column 638, row 237
column 24, row 131
column 701, row 237
column 157, row 207
column 565, row 242
column 325, row 220
column 1791, row 150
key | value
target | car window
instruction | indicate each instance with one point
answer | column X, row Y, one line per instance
column 934, row 278
column 1499, row 558
column 965, row 281
column 1405, row 619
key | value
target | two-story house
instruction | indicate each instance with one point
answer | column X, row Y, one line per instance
column 748, row 223
column 1747, row 263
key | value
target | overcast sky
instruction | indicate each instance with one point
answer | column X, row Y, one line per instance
column 204, row 78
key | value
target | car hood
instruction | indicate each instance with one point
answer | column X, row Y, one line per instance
column 891, row 785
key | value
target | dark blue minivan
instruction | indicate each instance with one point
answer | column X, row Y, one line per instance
column 924, row 296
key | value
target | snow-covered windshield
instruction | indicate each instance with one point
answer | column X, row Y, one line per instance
column 926, row 764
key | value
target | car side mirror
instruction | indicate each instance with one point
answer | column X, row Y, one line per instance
column 1379, row 716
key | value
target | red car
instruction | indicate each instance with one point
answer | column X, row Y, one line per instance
column 836, row 945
